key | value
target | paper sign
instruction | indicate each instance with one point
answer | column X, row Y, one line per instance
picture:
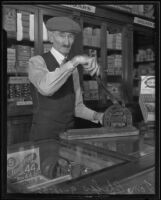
column 144, row 22
column 23, row 164
column 83, row 7
column 147, row 85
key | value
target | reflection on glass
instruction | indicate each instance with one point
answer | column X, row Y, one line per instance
column 56, row 163
column 133, row 145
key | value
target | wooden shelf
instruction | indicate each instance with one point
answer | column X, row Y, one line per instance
column 144, row 62
column 114, row 78
column 114, row 50
column 14, row 110
column 91, row 47
column 15, row 41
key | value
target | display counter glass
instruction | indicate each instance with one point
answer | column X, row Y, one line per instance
column 135, row 146
column 51, row 166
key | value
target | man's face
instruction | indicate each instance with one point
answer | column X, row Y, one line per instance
column 62, row 41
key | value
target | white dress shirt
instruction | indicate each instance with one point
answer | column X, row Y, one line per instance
column 47, row 83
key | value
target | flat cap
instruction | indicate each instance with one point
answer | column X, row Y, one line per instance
column 64, row 24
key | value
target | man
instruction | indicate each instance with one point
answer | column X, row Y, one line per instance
column 57, row 95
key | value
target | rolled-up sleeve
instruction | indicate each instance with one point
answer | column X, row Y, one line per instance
column 47, row 83
column 80, row 109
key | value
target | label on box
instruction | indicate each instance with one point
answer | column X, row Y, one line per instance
column 147, row 85
column 23, row 164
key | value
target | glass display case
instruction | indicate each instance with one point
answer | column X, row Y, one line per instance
column 53, row 161
column 133, row 145
column 87, row 166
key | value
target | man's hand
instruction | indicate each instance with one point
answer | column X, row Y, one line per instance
column 99, row 117
column 80, row 60
column 92, row 67
column 89, row 64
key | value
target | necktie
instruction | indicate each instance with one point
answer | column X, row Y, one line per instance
column 65, row 60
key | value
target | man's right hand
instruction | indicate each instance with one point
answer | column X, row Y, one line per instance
column 80, row 60
column 89, row 64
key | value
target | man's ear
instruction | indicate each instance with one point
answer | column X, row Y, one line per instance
column 50, row 36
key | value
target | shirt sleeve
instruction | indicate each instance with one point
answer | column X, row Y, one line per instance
column 80, row 109
column 47, row 83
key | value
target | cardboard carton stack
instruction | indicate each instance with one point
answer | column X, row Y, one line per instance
column 25, row 25
column 114, row 64
column 23, row 56
column 90, row 90
column 11, row 59
column 114, row 41
column 9, row 22
column 91, row 36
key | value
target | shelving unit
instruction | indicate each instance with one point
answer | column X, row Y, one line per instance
column 21, row 45
column 144, row 59
column 91, row 47
column 114, row 70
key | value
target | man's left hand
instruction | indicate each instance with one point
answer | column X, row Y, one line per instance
column 99, row 117
column 92, row 67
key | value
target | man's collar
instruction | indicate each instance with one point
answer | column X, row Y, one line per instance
column 58, row 56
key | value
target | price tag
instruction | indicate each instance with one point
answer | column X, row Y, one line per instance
column 23, row 103
column 23, row 164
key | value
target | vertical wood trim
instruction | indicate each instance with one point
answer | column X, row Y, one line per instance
column 103, row 50
column 131, row 62
column 103, row 44
column 80, row 69
column 40, row 32
column 127, row 63
column 36, row 37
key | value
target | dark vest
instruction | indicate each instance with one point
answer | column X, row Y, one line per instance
column 56, row 111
